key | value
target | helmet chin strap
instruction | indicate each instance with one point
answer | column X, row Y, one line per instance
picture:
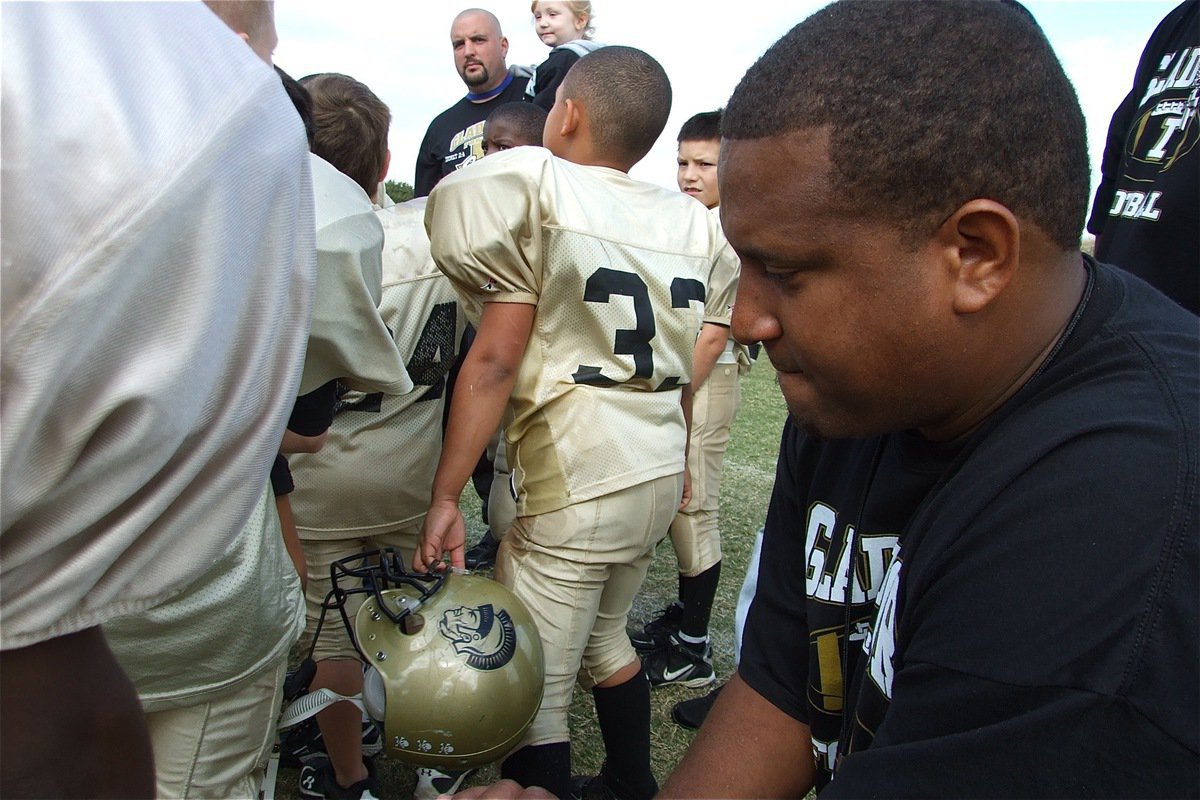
column 310, row 704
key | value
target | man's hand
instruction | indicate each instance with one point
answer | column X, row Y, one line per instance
column 504, row 790
column 687, row 489
column 444, row 531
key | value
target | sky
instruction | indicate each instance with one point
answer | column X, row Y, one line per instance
column 401, row 50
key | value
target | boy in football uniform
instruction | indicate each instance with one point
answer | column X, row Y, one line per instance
column 511, row 125
column 589, row 289
column 369, row 486
column 676, row 643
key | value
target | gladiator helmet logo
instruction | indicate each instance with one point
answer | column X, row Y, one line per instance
column 486, row 637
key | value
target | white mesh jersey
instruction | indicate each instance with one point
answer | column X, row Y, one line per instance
column 376, row 469
column 153, row 324
column 618, row 270
column 243, row 612
column 720, row 308
column 348, row 340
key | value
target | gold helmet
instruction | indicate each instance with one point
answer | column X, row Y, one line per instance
column 456, row 669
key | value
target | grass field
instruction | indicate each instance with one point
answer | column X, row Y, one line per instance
column 746, row 488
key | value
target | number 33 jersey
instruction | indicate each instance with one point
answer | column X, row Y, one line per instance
column 622, row 273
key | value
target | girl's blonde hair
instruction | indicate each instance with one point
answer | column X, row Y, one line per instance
column 580, row 9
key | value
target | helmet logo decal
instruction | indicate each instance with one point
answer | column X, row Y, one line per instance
column 485, row 636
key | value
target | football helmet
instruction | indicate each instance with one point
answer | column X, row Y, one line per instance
column 456, row 668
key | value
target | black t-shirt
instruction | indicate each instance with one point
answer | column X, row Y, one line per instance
column 455, row 137
column 1032, row 629
column 312, row 414
column 1146, row 213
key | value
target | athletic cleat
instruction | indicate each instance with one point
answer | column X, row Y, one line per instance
column 317, row 781
column 692, row 713
column 302, row 744
column 432, row 783
column 483, row 554
column 595, row 787
column 654, row 634
column 677, row 663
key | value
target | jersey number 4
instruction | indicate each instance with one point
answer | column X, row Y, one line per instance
column 600, row 287
column 432, row 357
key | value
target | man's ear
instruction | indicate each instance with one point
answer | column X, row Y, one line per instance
column 504, row 46
column 387, row 162
column 982, row 242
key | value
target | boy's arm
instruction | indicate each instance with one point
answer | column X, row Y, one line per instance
column 685, row 400
column 709, row 346
column 480, row 395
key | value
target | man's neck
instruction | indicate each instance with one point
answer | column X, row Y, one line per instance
column 484, row 95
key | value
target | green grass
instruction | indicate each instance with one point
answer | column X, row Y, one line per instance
column 745, row 490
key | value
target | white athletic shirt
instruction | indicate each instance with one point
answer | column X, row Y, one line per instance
column 376, row 469
column 154, row 321
column 622, row 274
column 243, row 613
column 348, row 340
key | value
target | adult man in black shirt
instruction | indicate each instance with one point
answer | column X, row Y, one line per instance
column 1146, row 215
column 455, row 137
column 979, row 570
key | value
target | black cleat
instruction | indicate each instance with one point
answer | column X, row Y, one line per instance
column 483, row 554
column 654, row 634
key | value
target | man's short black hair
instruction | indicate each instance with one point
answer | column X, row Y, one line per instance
column 929, row 105
column 526, row 120
column 627, row 96
column 702, row 127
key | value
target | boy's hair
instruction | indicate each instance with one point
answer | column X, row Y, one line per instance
column 351, row 127
column 578, row 8
column 627, row 96
column 301, row 99
column 527, row 120
column 703, row 127
column 928, row 105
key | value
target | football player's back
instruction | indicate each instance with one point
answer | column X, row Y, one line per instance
column 589, row 289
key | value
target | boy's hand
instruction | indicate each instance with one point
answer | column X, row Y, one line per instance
column 687, row 489
column 444, row 531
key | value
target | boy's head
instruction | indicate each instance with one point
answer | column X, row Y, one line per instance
column 350, row 128
column 513, row 125
column 928, row 107
column 252, row 20
column 610, row 109
column 301, row 99
column 561, row 21
column 698, row 156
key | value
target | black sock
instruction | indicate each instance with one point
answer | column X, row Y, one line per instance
column 624, row 715
column 697, row 594
column 544, row 765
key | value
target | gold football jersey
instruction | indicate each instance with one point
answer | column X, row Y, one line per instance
column 376, row 469
column 619, row 271
column 719, row 308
